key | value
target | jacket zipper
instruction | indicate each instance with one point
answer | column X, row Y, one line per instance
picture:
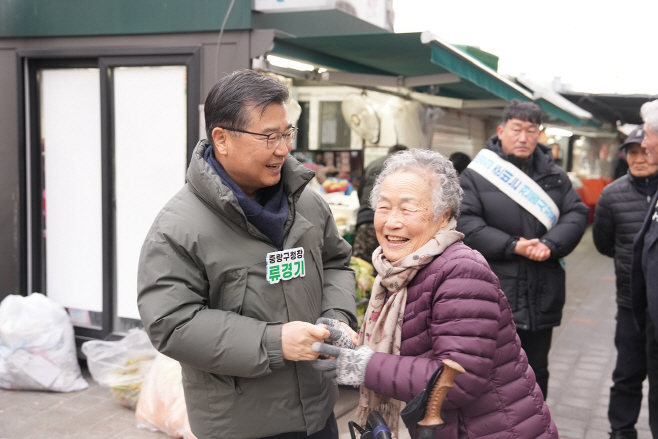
column 292, row 223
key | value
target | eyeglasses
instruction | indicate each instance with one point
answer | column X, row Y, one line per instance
column 274, row 138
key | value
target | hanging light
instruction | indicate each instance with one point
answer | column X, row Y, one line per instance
column 558, row 132
column 289, row 63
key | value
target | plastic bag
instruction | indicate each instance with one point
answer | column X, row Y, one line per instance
column 121, row 365
column 161, row 403
column 37, row 346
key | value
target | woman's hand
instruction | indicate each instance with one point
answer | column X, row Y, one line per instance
column 353, row 335
column 341, row 334
column 349, row 365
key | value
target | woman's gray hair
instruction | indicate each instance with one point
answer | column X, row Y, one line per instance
column 446, row 192
column 649, row 112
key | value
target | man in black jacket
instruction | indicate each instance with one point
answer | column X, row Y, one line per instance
column 524, row 216
column 619, row 214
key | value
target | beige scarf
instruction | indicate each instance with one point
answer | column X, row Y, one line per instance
column 382, row 323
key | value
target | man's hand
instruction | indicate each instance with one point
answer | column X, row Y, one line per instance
column 341, row 334
column 523, row 246
column 297, row 339
column 539, row 252
column 532, row 249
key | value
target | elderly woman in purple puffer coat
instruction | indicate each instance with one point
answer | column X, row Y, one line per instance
column 435, row 299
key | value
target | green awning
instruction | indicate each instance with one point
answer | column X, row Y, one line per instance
column 418, row 61
column 452, row 59
column 554, row 104
column 395, row 55
column 552, row 109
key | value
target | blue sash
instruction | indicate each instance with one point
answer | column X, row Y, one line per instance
column 514, row 183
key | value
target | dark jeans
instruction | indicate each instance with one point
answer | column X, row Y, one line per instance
column 629, row 373
column 637, row 354
column 536, row 345
column 330, row 431
column 652, row 371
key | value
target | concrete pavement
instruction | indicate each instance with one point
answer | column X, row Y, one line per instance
column 581, row 362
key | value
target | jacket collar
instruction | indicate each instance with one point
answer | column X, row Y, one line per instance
column 542, row 161
column 645, row 185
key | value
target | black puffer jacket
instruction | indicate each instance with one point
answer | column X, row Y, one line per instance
column 493, row 223
column 618, row 217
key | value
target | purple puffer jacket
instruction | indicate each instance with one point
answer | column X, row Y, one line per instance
column 456, row 309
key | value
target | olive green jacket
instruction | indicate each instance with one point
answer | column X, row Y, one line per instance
column 204, row 300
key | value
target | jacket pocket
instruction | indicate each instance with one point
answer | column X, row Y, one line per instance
column 317, row 262
column 233, row 290
column 508, row 275
column 551, row 181
column 552, row 290
column 313, row 284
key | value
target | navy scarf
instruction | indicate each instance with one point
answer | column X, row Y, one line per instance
column 268, row 212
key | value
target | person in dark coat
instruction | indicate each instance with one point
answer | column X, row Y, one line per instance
column 521, row 249
column 435, row 298
column 460, row 161
column 365, row 241
column 644, row 275
column 556, row 153
column 619, row 214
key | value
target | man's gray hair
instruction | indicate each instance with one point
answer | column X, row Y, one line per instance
column 227, row 101
column 441, row 174
column 649, row 112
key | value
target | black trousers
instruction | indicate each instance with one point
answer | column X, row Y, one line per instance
column 637, row 358
column 536, row 345
column 330, row 431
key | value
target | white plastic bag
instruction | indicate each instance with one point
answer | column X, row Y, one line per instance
column 161, row 405
column 121, row 365
column 37, row 346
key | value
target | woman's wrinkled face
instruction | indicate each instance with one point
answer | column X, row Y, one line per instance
column 403, row 214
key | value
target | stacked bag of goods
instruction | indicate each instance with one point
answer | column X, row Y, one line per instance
column 333, row 184
column 121, row 365
column 142, row 379
column 161, row 405
column 37, row 346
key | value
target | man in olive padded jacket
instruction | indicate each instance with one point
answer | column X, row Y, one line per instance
column 237, row 268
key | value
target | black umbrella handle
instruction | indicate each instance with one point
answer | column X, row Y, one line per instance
column 379, row 428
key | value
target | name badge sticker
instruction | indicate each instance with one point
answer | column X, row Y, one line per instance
column 285, row 265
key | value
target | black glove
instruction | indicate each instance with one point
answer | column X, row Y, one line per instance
column 338, row 335
column 349, row 365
